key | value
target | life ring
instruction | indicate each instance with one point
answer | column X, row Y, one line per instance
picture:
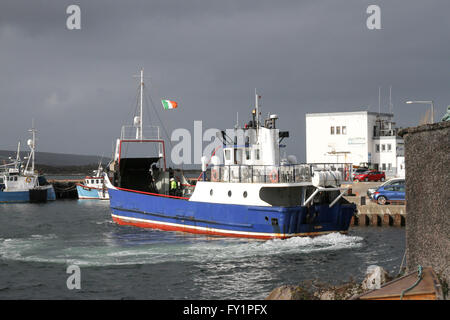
column 214, row 175
column 273, row 176
column 28, row 179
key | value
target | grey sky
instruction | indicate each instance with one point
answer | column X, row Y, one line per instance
column 209, row 55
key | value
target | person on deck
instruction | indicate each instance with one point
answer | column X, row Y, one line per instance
column 173, row 187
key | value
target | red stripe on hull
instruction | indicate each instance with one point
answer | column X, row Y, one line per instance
column 190, row 230
column 181, row 228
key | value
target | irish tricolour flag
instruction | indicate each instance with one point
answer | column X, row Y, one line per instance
column 167, row 104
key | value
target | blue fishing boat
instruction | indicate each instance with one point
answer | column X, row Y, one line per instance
column 93, row 187
column 252, row 193
column 21, row 183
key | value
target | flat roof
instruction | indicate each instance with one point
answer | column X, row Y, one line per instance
column 323, row 114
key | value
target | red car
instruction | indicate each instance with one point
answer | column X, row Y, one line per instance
column 370, row 176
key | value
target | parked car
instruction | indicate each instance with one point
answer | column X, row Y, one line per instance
column 370, row 176
column 359, row 171
column 388, row 194
column 390, row 182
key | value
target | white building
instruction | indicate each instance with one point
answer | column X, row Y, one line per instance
column 361, row 138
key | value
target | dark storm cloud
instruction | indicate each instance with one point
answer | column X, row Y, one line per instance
column 303, row 56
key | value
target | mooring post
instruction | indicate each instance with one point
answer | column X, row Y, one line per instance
column 362, row 219
column 387, row 219
column 397, row 220
column 375, row 220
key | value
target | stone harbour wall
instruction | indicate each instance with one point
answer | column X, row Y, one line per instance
column 427, row 161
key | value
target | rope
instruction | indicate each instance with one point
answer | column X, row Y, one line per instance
column 148, row 96
column 403, row 260
column 419, row 278
column 70, row 188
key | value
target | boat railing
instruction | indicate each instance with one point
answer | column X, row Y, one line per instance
column 148, row 133
column 261, row 173
column 288, row 173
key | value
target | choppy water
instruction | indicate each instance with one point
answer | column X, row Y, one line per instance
column 39, row 241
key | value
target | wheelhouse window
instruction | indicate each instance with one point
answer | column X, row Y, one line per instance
column 344, row 130
column 338, row 130
column 377, row 148
column 331, row 130
column 389, row 147
column 383, row 147
column 257, row 154
column 227, row 155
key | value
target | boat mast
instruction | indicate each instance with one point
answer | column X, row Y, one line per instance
column 31, row 143
column 17, row 165
column 257, row 114
column 138, row 119
column 140, row 115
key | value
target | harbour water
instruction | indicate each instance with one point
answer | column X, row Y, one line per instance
column 39, row 241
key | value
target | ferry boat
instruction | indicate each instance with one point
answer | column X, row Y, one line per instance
column 19, row 183
column 93, row 187
column 252, row 194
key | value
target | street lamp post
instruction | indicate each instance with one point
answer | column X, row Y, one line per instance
column 425, row 102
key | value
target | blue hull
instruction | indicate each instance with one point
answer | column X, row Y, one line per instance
column 23, row 196
column 144, row 210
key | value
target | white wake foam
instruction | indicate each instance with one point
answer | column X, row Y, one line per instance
column 49, row 248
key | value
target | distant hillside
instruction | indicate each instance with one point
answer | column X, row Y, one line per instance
column 56, row 159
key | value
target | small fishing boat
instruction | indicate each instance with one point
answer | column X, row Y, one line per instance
column 93, row 187
column 21, row 183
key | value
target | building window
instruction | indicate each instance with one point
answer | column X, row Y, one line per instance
column 377, row 148
column 383, row 148
column 389, row 147
column 332, row 130
column 383, row 167
column 338, row 130
column 389, row 166
column 344, row 130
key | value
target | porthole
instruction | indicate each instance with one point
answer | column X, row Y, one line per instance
column 211, row 192
column 229, row 193
column 245, row 194
column 266, row 218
